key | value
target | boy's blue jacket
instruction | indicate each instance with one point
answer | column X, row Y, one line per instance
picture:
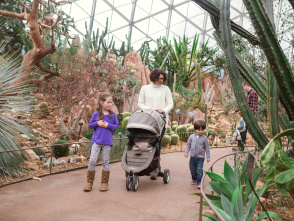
column 198, row 146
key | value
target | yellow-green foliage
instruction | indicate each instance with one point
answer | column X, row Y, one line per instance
column 165, row 140
column 220, row 131
column 174, row 139
column 168, row 130
column 175, row 122
column 126, row 114
column 174, row 127
column 44, row 109
column 182, row 129
column 223, row 135
column 125, row 122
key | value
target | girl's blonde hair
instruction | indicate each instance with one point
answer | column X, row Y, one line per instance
column 102, row 97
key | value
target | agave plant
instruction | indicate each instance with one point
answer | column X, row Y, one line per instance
column 186, row 61
column 14, row 103
column 234, row 192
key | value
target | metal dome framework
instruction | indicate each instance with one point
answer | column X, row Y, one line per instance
column 143, row 20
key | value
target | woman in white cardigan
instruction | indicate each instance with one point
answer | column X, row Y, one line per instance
column 156, row 96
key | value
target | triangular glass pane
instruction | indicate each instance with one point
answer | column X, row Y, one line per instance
column 136, row 34
column 158, row 34
column 121, row 35
column 117, row 21
column 155, row 26
column 183, row 9
column 162, row 18
column 76, row 9
column 102, row 7
column 125, row 9
column 118, row 3
column 158, row 6
column 176, row 18
column 140, row 13
column 143, row 25
column 194, row 10
column 145, row 5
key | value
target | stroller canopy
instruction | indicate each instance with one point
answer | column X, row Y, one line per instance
column 149, row 120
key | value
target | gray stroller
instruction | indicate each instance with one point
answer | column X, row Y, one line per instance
column 141, row 156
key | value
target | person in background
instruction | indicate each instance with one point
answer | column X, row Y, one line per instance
column 156, row 96
column 104, row 122
column 252, row 99
column 242, row 130
column 197, row 145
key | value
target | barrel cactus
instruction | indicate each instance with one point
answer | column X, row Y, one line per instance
column 61, row 150
column 182, row 129
column 174, row 139
column 168, row 130
column 125, row 122
column 44, row 110
column 175, row 122
column 174, row 127
column 223, row 135
column 165, row 140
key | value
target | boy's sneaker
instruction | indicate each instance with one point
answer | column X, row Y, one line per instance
column 193, row 182
column 198, row 185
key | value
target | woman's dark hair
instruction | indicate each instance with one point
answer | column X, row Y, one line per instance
column 199, row 124
column 154, row 75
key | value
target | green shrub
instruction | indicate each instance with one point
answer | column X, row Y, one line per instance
column 165, row 140
column 39, row 151
column 168, row 130
column 174, row 139
column 88, row 134
column 213, row 133
column 223, row 135
column 61, row 150
column 62, row 137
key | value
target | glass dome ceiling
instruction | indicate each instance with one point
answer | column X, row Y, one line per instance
column 150, row 19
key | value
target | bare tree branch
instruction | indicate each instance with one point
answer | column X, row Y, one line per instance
column 44, row 77
column 25, row 6
column 61, row 2
column 21, row 16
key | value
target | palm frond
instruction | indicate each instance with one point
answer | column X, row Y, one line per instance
column 14, row 101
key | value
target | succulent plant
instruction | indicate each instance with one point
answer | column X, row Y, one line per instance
column 126, row 114
column 125, row 122
column 44, row 110
column 174, row 127
column 61, row 150
column 39, row 151
column 174, row 139
column 165, row 140
column 223, row 135
column 168, row 129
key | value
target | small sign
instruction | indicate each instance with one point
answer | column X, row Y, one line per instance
column 250, row 166
column 119, row 117
column 192, row 114
column 177, row 111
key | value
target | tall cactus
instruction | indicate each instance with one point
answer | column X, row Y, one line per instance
column 227, row 41
column 273, row 51
column 198, row 72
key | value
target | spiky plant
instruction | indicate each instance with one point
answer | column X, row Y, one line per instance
column 14, row 101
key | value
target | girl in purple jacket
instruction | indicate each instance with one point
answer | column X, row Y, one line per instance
column 104, row 122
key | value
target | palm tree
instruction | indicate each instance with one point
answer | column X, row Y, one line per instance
column 15, row 104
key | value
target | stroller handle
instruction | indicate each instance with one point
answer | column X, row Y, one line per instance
column 163, row 115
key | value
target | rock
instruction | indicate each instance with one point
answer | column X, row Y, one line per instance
column 46, row 166
column 49, row 160
column 62, row 162
column 30, row 155
column 30, row 165
column 81, row 159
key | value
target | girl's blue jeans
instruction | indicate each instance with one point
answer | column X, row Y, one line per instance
column 196, row 166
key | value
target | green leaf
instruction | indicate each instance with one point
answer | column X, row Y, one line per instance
column 209, row 196
column 285, row 176
column 270, row 176
column 237, row 204
column 215, row 177
column 227, row 189
column 270, row 213
column 222, row 213
column 267, row 152
column 285, row 159
column 272, row 164
column 213, row 218
column 226, row 205
column 282, row 189
column 229, row 175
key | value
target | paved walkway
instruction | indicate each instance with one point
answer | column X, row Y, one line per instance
column 61, row 197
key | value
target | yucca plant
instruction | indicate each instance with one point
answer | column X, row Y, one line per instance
column 234, row 192
column 14, row 100
column 186, row 60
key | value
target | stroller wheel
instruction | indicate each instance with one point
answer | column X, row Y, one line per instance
column 135, row 184
column 166, row 176
column 127, row 174
column 129, row 182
